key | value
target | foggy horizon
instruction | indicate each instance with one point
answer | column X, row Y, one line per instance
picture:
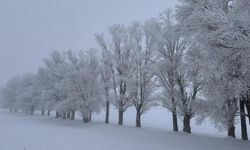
column 30, row 30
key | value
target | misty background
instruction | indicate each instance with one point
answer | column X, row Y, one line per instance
column 30, row 30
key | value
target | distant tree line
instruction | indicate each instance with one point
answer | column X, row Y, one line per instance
column 195, row 63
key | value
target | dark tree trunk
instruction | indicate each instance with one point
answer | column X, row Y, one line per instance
column 58, row 115
column 243, row 121
column 32, row 109
column 107, row 105
column 68, row 115
column 64, row 116
column 138, row 117
column 107, row 112
column 247, row 103
column 48, row 114
column 90, row 117
column 120, row 121
column 11, row 110
column 186, row 123
column 175, row 122
column 231, row 128
column 72, row 115
column 174, row 115
column 42, row 112
column 16, row 110
column 85, row 118
column 231, row 131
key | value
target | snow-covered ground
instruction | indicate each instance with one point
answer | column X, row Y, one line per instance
column 20, row 131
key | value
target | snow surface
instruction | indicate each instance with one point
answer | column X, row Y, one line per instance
column 20, row 131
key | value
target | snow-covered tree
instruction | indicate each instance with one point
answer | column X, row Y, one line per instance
column 189, row 84
column 46, row 85
column 10, row 92
column 119, row 52
column 55, row 65
column 170, row 48
column 141, row 85
column 222, row 27
column 82, row 83
column 105, row 72
column 29, row 93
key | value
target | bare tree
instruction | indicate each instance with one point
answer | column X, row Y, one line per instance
column 119, row 52
column 142, row 83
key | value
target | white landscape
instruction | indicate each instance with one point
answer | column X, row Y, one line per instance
column 26, row 132
column 125, row 75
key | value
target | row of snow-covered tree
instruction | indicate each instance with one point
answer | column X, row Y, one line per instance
column 196, row 64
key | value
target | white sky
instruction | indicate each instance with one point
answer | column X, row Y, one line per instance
column 31, row 29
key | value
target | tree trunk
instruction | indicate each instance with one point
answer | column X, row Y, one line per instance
column 174, row 115
column 11, row 110
column 42, row 112
column 138, row 117
column 72, row 115
column 90, row 116
column 16, row 110
column 120, row 121
column 175, row 122
column 186, row 123
column 231, row 131
column 48, row 114
column 231, row 128
column 85, row 118
column 63, row 115
column 32, row 109
column 243, row 121
column 68, row 115
column 58, row 115
column 247, row 103
column 107, row 112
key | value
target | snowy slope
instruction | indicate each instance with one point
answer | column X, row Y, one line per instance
column 24, row 132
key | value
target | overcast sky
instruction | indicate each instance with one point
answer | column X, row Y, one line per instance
column 31, row 29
